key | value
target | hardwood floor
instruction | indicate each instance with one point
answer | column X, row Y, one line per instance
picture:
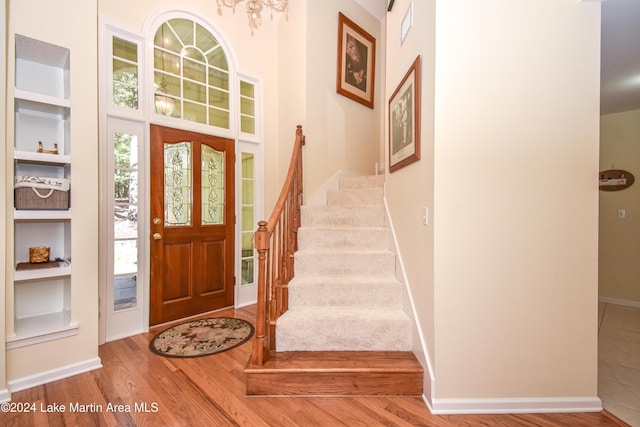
column 210, row 391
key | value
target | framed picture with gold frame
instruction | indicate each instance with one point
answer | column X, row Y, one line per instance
column 404, row 120
column 355, row 77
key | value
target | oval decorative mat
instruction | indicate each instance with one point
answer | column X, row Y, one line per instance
column 202, row 337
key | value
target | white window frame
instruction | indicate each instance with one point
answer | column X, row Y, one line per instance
column 137, row 121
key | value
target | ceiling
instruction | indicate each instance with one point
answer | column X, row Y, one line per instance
column 620, row 52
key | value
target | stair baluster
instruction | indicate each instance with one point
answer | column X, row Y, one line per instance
column 276, row 241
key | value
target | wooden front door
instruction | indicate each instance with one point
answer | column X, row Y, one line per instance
column 192, row 224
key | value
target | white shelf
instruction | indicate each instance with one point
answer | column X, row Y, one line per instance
column 41, row 158
column 37, row 329
column 42, row 273
column 41, row 215
column 25, row 95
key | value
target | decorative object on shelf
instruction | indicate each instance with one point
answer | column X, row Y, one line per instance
column 404, row 120
column 36, row 266
column 39, row 254
column 34, row 192
column 254, row 9
column 202, row 337
column 42, row 150
column 615, row 180
column 356, row 62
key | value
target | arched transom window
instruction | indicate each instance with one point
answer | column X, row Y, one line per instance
column 191, row 74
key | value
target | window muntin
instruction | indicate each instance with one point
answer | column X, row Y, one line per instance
column 248, row 219
column 191, row 72
column 125, row 73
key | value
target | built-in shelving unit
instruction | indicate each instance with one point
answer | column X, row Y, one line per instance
column 42, row 296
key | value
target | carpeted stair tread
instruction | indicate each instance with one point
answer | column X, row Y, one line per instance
column 327, row 262
column 343, row 238
column 346, row 291
column 362, row 181
column 341, row 216
column 356, row 197
column 340, row 328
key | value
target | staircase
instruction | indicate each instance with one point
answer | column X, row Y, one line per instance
column 344, row 296
column 345, row 331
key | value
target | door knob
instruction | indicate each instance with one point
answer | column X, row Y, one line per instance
column 157, row 236
column 157, row 221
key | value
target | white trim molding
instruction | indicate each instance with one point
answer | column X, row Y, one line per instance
column 5, row 396
column 516, row 405
column 54, row 375
column 419, row 343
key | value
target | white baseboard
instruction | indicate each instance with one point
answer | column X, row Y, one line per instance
column 618, row 301
column 515, row 405
column 5, row 396
column 54, row 374
column 419, row 342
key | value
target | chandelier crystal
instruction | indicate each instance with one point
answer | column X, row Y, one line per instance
column 254, row 9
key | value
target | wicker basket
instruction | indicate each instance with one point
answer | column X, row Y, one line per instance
column 32, row 195
column 39, row 254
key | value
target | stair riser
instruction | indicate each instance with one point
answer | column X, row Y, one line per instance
column 335, row 335
column 355, row 197
column 372, row 296
column 311, row 263
column 335, row 216
column 362, row 182
column 343, row 238
column 335, row 383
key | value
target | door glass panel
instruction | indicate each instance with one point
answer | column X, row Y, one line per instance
column 125, row 219
column 248, row 219
column 212, row 186
column 177, row 184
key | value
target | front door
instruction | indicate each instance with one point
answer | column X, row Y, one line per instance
column 192, row 223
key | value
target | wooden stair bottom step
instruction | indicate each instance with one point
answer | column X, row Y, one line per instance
column 339, row 373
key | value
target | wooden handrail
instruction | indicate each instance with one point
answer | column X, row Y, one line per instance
column 276, row 241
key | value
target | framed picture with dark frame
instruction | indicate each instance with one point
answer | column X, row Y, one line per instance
column 404, row 120
column 355, row 77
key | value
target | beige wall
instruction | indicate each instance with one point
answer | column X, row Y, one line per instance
column 410, row 190
column 46, row 25
column 505, row 275
column 308, row 63
column 516, row 158
column 619, row 272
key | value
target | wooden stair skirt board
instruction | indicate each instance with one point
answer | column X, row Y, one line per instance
column 336, row 373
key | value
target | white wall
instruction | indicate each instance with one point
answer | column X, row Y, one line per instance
column 619, row 272
column 46, row 25
column 516, row 222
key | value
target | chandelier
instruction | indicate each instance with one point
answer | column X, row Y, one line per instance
column 254, row 8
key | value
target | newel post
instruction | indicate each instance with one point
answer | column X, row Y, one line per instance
column 261, row 243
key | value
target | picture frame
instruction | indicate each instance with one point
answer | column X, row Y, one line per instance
column 355, row 77
column 404, row 120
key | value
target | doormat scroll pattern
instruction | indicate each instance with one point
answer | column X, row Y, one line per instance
column 202, row 337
